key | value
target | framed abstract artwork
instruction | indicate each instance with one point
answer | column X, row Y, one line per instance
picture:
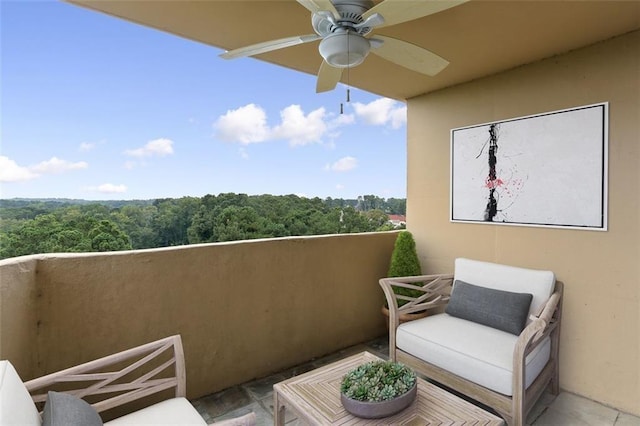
column 546, row 169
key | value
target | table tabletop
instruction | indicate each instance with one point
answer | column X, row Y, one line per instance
column 315, row 398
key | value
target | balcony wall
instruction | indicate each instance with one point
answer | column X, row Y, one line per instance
column 244, row 309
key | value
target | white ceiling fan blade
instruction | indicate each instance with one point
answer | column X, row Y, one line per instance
column 398, row 11
column 328, row 77
column 268, row 46
column 315, row 6
column 408, row 55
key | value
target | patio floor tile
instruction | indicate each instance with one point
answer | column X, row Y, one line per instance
column 627, row 420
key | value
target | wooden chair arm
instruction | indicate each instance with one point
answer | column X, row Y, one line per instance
column 120, row 378
column 541, row 327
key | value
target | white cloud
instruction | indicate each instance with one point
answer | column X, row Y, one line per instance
column 298, row 128
column 339, row 187
column 342, row 120
column 57, row 166
column 344, row 164
column 10, row 171
column 334, row 124
column 157, row 147
column 108, row 188
column 247, row 124
column 398, row 117
column 381, row 112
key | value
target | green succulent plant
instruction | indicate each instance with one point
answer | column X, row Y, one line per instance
column 377, row 381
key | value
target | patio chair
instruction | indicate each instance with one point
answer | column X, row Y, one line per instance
column 106, row 383
column 493, row 334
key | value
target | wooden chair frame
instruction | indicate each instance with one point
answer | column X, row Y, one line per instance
column 436, row 292
column 106, row 382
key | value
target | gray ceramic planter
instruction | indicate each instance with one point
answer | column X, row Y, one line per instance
column 377, row 410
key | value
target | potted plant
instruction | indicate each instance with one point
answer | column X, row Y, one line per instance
column 404, row 263
column 378, row 389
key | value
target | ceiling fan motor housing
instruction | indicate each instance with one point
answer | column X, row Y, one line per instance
column 344, row 48
column 343, row 45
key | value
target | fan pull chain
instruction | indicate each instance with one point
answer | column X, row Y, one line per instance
column 348, row 69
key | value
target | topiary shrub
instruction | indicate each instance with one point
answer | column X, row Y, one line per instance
column 405, row 263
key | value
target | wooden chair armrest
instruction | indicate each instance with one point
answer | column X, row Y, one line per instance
column 527, row 339
column 120, row 378
column 541, row 327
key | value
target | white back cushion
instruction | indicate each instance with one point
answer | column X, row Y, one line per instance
column 508, row 278
column 16, row 405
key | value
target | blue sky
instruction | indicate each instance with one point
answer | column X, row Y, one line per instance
column 95, row 107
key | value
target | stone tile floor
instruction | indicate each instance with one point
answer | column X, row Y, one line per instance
column 564, row 410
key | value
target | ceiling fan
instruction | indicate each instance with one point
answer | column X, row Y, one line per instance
column 343, row 27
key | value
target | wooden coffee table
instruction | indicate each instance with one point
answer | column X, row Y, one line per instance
column 315, row 398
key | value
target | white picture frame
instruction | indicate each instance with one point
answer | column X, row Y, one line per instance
column 546, row 169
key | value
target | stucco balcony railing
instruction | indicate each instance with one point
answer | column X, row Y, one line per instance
column 244, row 309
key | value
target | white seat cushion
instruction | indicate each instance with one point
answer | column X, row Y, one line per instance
column 473, row 351
column 175, row 411
column 16, row 405
column 508, row 278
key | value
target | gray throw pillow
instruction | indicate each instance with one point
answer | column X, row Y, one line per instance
column 504, row 310
column 63, row 409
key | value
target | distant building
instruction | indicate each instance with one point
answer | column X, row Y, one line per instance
column 397, row 220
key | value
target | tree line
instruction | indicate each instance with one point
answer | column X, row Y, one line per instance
column 30, row 226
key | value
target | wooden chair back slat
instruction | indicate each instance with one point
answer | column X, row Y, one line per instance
column 121, row 365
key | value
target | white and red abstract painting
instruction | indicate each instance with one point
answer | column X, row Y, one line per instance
column 546, row 169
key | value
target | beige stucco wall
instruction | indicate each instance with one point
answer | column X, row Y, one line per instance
column 600, row 340
column 18, row 314
column 244, row 309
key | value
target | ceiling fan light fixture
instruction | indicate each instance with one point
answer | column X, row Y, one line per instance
column 344, row 49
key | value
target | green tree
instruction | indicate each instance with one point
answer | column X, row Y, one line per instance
column 396, row 206
column 377, row 219
column 44, row 226
column 370, row 202
column 36, row 236
column 137, row 222
column 238, row 223
column 7, row 245
column 71, row 241
column 201, row 229
column 352, row 221
column 173, row 219
column 45, row 234
column 106, row 236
